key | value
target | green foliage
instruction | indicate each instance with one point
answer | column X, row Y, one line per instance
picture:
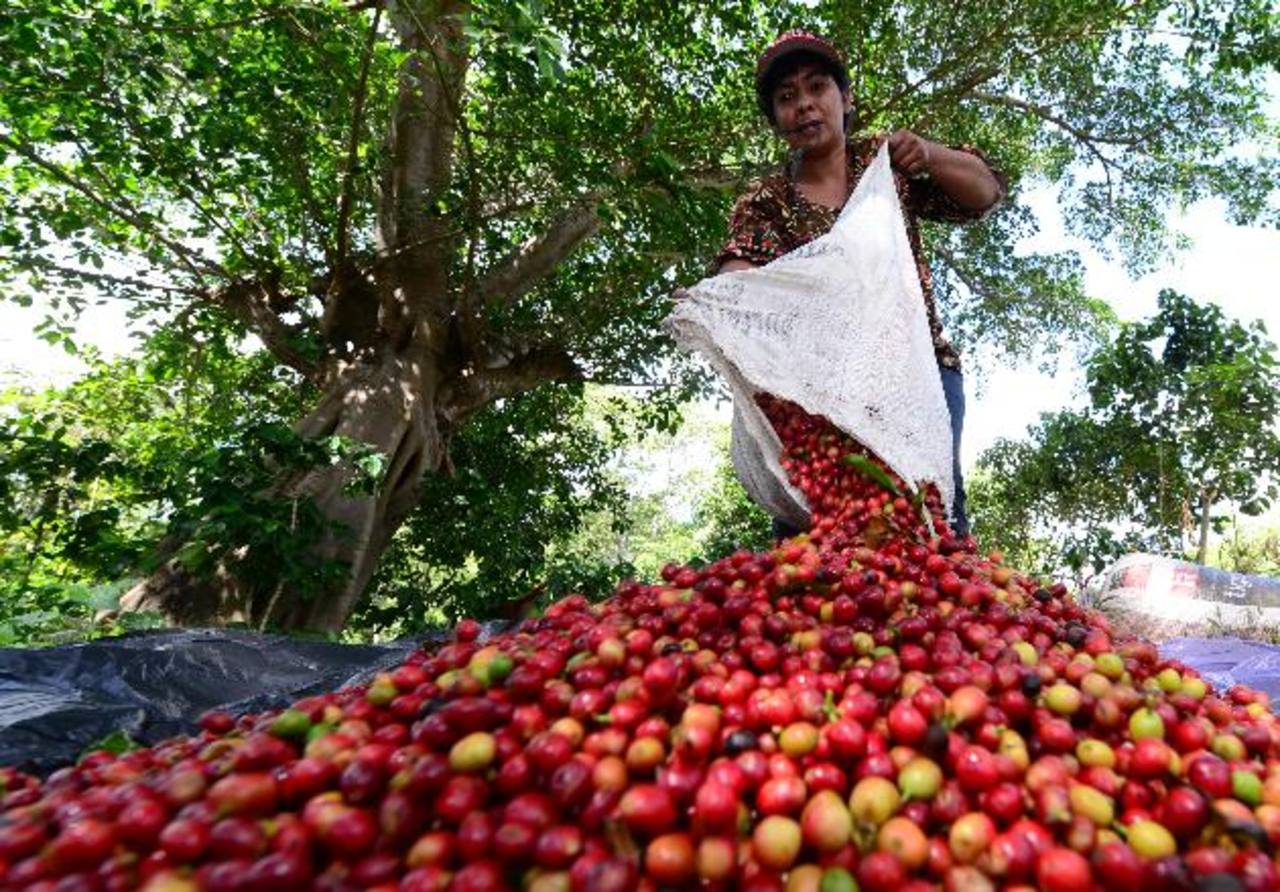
column 82, row 503
column 168, row 144
column 1181, row 422
column 1048, row 515
column 1204, row 389
column 118, row 742
column 728, row 520
column 179, row 445
column 1256, row 552
column 528, row 472
column 685, row 505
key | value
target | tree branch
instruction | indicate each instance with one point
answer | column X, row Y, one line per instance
column 472, row 391
column 109, row 281
column 315, row 231
column 1044, row 113
column 196, row 264
column 973, row 52
column 125, row 113
column 957, row 62
column 978, row 289
column 353, row 141
column 250, row 302
column 522, row 269
column 491, row 212
column 937, row 73
column 963, row 87
column 293, row 24
column 423, row 122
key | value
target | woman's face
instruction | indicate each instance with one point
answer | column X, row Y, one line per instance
column 808, row 109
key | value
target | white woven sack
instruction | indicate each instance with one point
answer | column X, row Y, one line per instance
column 837, row 326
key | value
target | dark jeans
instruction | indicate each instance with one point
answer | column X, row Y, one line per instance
column 953, row 389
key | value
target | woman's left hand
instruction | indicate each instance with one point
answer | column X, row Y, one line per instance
column 909, row 153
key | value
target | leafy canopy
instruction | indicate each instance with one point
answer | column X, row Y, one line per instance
column 1181, row 423
column 151, row 150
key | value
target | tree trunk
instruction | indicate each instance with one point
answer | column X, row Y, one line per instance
column 423, row 359
column 389, row 404
column 1206, row 502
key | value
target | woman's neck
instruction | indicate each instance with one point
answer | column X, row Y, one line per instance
column 822, row 174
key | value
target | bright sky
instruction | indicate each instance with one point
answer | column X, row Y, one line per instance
column 27, row 360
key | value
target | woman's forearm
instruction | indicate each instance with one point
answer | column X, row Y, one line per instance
column 963, row 176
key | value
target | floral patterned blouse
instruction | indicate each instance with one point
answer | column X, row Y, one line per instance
column 773, row 217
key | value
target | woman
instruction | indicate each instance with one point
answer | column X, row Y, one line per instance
column 802, row 88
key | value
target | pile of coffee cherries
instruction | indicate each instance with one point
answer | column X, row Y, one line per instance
column 873, row 705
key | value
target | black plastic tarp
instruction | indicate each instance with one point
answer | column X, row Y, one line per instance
column 57, row 701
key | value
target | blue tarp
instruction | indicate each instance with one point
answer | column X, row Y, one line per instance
column 1225, row 662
